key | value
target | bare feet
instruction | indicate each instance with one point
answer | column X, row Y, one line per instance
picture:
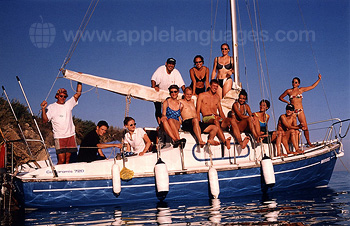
column 311, row 145
column 244, row 142
column 228, row 143
column 201, row 143
column 300, row 151
column 213, row 142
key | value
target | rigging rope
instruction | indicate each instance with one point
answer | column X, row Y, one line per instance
column 127, row 105
column 267, row 70
column 212, row 29
column 314, row 56
column 243, row 52
column 76, row 39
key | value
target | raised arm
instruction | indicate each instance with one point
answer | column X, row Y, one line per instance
column 43, row 106
column 78, row 91
column 304, row 89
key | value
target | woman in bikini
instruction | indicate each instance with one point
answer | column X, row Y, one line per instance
column 260, row 119
column 222, row 70
column 296, row 99
column 171, row 116
column 199, row 76
column 243, row 115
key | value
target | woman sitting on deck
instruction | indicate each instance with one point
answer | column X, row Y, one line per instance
column 296, row 99
column 260, row 119
column 136, row 137
column 243, row 115
column 171, row 116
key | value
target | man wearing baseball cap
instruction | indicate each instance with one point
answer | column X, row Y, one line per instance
column 60, row 116
column 165, row 76
column 288, row 131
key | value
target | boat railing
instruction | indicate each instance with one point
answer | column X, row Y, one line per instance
column 335, row 129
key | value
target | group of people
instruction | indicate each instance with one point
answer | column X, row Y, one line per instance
column 60, row 116
column 174, row 113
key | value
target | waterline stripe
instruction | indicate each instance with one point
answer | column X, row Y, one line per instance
column 173, row 183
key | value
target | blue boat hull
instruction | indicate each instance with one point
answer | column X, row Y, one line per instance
column 301, row 174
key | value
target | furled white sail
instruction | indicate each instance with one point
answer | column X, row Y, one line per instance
column 123, row 88
column 136, row 90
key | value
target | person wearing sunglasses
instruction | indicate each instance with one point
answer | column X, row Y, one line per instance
column 288, row 131
column 222, row 70
column 91, row 146
column 199, row 75
column 171, row 116
column 296, row 99
column 136, row 138
column 60, row 116
column 165, row 76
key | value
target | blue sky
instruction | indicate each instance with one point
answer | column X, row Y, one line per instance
column 128, row 40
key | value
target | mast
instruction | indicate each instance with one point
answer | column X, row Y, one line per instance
column 234, row 45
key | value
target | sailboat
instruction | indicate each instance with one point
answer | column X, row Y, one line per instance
column 192, row 172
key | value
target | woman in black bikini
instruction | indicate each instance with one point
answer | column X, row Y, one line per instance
column 199, row 75
column 222, row 70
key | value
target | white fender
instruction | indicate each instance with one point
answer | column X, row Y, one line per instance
column 162, row 176
column 268, row 172
column 116, row 179
column 214, row 182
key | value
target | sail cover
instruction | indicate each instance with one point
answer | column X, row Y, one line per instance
column 123, row 88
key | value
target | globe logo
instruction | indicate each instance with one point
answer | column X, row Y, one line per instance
column 42, row 34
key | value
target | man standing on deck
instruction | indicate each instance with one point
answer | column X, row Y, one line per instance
column 165, row 76
column 91, row 146
column 60, row 116
column 209, row 104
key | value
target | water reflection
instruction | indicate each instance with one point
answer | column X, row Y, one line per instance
column 321, row 206
column 117, row 217
column 215, row 216
column 163, row 214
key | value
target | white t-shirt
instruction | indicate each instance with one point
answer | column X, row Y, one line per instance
column 164, row 80
column 61, row 118
column 136, row 140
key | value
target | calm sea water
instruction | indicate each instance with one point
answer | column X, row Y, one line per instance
column 322, row 206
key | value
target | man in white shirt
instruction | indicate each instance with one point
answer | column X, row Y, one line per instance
column 60, row 116
column 165, row 76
